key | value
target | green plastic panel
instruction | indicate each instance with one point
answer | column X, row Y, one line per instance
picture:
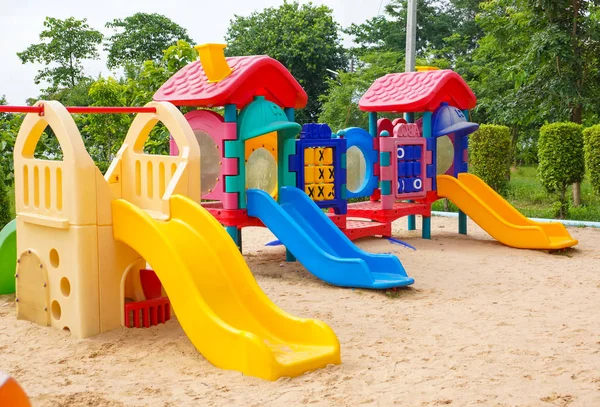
column 8, row 257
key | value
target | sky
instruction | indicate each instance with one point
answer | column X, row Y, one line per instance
column 21, row 22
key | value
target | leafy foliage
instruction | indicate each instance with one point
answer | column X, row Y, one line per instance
column 490, row 155
column 142, row 37
column 445, row 29
column 340, row 105
column 104, row 133
column 537, row 62
column 9, row 127
column 591, row 137
column 304, row 38
column 561, row 161
column 64, row 45
column 5, row 204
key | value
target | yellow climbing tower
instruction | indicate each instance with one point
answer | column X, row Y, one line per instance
column 83, row 237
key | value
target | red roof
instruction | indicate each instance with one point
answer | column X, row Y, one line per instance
column 252, row 75
column 417, row 92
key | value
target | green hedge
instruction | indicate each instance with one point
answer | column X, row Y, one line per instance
column 5, row 204
column 490, row 155
column 561, row 161
column 591, row 138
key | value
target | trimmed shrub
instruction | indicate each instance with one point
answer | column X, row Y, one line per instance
column 5, row 204
column 561, row 161
column 591, row 138
column 490, row 155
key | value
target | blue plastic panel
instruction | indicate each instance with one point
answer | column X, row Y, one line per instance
column 360, row 138
column 319, row 135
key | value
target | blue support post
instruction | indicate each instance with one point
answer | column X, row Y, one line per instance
column 373, row 124
column 462, row 223
column 462, row 217
column 426, row 226
column 236, row 235
column 290, row 113
column 412, row 221
column 230, row 114
column 426, row 232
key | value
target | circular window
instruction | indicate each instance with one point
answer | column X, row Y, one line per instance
column 65, row 286
column 56, row 312
column 356, row 165
column 445, row 154
column 210, row 161
column 261, row 171
column 54, row 258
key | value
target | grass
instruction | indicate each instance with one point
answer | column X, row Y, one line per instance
column 529, row 197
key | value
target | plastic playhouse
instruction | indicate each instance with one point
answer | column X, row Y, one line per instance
column 83, row 239
column 255, row 171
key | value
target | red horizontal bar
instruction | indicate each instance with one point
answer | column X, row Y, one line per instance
column 103, row 109
column 79, row 109
column 21, row 109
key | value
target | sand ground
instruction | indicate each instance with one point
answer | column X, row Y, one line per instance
column 483, row 325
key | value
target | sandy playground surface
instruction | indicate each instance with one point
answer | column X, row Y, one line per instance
column 483, row 325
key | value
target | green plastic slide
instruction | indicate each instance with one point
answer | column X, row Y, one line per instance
column 8, row 257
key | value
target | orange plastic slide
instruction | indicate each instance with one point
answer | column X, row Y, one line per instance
column 499, row 218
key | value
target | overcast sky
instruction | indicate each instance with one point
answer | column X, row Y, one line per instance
column 21, row 22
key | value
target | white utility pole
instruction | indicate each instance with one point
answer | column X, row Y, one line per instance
column 411, row 36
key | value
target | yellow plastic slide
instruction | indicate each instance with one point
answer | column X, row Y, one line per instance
column 215, row 297
column 499, row 218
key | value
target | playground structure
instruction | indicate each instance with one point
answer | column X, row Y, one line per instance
column 253, row 166
column 82, row 239
column 402, row 166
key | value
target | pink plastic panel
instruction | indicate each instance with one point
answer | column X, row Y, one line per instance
column 252, row 75
column 404, row 134
column 213, row 124
column 417, row 92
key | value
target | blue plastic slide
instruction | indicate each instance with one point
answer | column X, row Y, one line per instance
column 320, row 245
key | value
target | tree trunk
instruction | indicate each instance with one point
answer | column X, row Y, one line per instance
column 446, row 205
column 576, row 117
column 576, row 194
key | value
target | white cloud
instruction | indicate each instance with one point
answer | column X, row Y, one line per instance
column 207, row 21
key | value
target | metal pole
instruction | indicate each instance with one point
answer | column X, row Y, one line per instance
column 409, row 66
column 411, row 36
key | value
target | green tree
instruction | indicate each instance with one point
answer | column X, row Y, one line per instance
column 9, row 127
column 445, row 29
column 304, row 38
column 5, row 202
column 490, row 155
column 591, row 137
column 154, row 74
column 536, row 62
column 340, row 104
column 64, row 45
column 104, row 133
column 142, row 37
column 151, row 77
column 561, row 157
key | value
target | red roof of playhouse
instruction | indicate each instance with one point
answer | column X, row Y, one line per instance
column 251, row 75
column 417, row 92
